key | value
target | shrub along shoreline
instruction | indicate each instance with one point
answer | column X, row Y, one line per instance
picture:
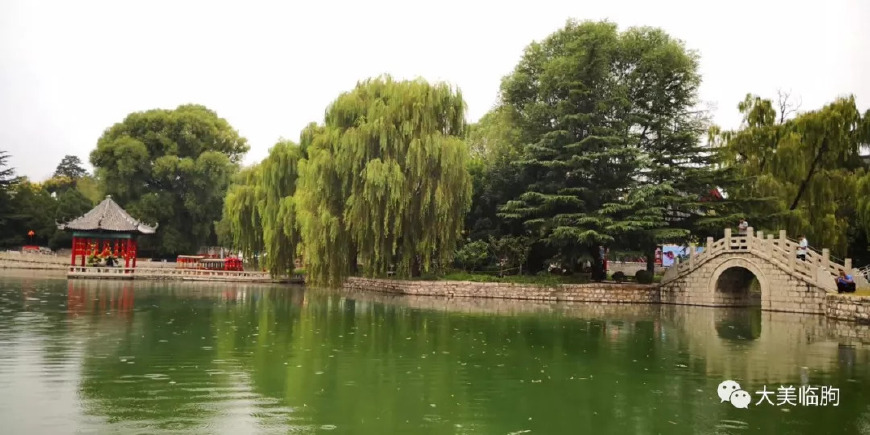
column 543, row 279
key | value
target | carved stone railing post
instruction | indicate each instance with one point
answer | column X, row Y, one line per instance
column 782, row 238
column 709, row 246
column 691, row 255
column 759, row 244
column 727, row 239
column 823, row 273
column 847, row 264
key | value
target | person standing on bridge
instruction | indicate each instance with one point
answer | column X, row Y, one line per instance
column 802, row 248
column 743, row 227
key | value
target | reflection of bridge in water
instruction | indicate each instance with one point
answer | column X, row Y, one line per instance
column 743, row 343
column 749, row 344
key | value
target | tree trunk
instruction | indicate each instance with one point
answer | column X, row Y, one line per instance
column 352, row 259
column 651, row 261
column 809, row 176
column 416, row 267
column 598, row 273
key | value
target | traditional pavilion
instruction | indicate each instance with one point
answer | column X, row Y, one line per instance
column 105, row 230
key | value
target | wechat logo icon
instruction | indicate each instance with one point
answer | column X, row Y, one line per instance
column 730, row 391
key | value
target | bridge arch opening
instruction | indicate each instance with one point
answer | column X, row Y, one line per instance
column 737, row 286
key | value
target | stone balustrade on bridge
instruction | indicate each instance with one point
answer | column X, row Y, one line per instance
column 723, row 274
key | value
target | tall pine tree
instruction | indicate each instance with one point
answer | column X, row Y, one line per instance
column 613, row 139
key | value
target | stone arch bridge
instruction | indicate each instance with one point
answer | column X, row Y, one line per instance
column 723, row 275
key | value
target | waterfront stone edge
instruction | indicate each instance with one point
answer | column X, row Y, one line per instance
column 839, row 307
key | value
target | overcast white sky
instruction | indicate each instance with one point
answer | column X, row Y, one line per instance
column 71, row 69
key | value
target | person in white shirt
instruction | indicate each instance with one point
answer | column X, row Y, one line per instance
column 802, row 248
column 742, row 227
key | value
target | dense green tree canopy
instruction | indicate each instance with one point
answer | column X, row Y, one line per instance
column 809, row 164
column 171, row 167
column 26, row 206
column 32, row 209
column 386, row 180
column 495, row 147
column 611, row 133
column 90, row 188
column 71, row 175
column 496, row 136
column 241, row 215
column 260, row 212
column 278, row 174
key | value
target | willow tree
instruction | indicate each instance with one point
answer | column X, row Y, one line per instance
column 385, row 183
column 259, row 210
column 809, row 164
column 276, row 206
column 241, row 213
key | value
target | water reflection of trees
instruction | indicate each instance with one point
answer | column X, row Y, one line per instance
column 31, row 311
column 163, row 371
column 186, row 357
column 485, row 370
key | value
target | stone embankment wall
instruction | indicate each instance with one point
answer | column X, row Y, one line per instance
column 839, row 307
column 17, row 260
column 852, row 308
column 10, row 260
column 598, row 292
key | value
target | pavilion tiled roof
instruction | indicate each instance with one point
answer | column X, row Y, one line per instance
column 108, row 216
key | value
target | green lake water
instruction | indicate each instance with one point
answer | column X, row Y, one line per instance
column 124, row 357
